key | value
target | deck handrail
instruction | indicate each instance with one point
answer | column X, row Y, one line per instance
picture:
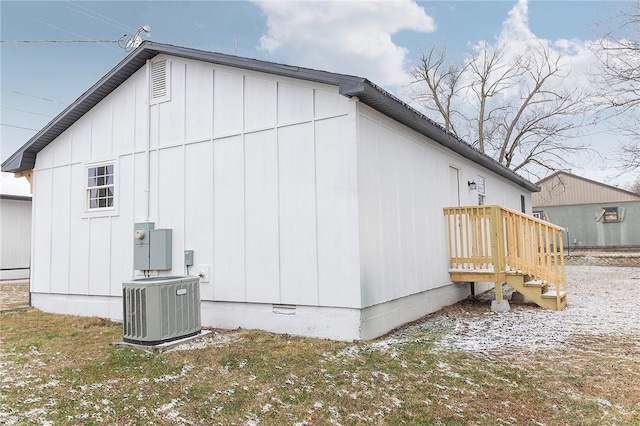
column 500, row 240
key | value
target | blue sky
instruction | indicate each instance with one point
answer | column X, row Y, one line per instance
column 377, row 40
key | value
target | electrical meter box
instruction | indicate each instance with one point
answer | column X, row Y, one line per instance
column 151, row 247
column 160, row 249
column 141, row 245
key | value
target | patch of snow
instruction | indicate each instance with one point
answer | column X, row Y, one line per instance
column 602, row 301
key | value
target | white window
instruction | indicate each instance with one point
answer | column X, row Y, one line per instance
column 100, row 186
column 611, row 215
column 482, row 198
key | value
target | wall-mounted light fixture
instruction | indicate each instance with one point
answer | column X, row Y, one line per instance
column 472, row 185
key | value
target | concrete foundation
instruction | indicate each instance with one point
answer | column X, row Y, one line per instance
column 502, row 306
column 161, row 347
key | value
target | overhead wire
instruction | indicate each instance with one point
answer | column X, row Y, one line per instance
column 72, row 33
column 19, row 127
column 28, row 112
column 31, row 96
column 78, row 8
column 58, row 41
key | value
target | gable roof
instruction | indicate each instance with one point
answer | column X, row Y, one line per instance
column 566, row 189
column 350, row 86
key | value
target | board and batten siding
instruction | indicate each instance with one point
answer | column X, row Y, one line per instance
column 404, row 182
column 255, row 173
column 15, row 227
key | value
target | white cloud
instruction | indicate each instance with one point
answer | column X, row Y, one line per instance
column 574, row 56
column 578, row 63
column 349, row 37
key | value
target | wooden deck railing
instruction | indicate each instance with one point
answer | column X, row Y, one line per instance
column 491, row 241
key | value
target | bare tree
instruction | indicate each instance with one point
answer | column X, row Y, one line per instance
column 513, row 107
column 618, row 78
column 635, row 186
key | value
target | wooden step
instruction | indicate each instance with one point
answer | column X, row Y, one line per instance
column 551, row 294
column 535, row 283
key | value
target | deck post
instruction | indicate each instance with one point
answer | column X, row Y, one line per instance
column 498, row 254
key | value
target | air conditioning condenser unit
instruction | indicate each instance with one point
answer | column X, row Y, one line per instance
column 160, row 309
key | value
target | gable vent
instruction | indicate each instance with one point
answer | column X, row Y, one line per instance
column 160, row 81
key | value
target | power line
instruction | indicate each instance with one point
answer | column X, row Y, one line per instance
column 69, row 32
column 58, row 41
column 31, row 96
column 19, row 127
column 83, row 10
column 28, row 112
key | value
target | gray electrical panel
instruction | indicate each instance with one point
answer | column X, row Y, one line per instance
column 141, row 252
column 188, row 257
column 160, row 249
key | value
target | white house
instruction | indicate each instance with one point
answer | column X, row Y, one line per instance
column 312, row 201
column 15, row 245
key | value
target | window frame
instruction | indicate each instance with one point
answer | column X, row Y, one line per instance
column 607, row 215
column 88, row 188
column 481, row 187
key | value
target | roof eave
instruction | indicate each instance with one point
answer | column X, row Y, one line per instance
column 367, row 92
column 24, row 158
column 388, row 104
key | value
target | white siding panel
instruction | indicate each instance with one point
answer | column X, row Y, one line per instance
column 329, row 104
column 171, row 117
column 80, row 140
column 122, row 225
column 141, row 109
column 100, row 256
column 62, row 150
column 101, row 129
column 199, row 103
column 298, row 252
column 259, row 103
column 60, row 230
column 124, row 118
column 153, row 125
column 199, row 218
column 337, row 213
column 228, row 212
column 423, row 187
column 15, row 227
column 261, row 217
column 42, row 193
column 79, row 238
column 171, row 208
column 402, row 230
column 295, row 104
column 44, row 159
column 389, row 187
column 140, row 188
column 228, row 95
column 406, row 222
column 370, row 221
column 154, row 192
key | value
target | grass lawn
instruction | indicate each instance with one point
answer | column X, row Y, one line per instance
column 61, row 369
column 57, row 369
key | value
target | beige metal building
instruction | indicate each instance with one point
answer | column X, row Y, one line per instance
column 595, row 215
